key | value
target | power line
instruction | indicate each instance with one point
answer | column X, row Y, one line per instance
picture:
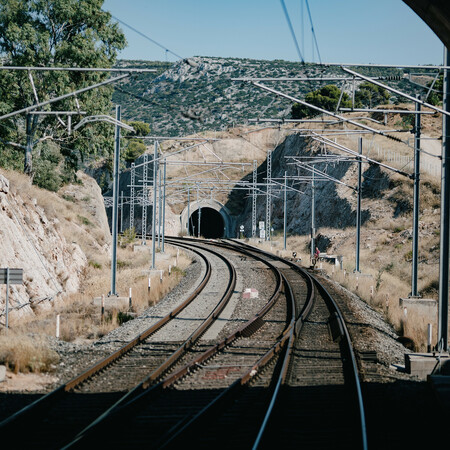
column 292, row 31
column 313, row 32
column 146, row 37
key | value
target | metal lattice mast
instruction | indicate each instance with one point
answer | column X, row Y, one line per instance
column 132, row 200
column 268, row 199
column 255, row 180
column 313, row 215
column 144, row 200
column 155, row 165
column 159, row 206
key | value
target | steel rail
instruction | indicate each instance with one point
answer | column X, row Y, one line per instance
column 146, row 384
column 47, row 399
column 347, row 343
column 141, row 393
column 283, row 347
column 350, row 360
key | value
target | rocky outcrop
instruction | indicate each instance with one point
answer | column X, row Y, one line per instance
column 31, row 241
column 335, row 204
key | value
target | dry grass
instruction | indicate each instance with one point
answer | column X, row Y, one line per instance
column 380, row 285
column 23, row 353
column 80, row 320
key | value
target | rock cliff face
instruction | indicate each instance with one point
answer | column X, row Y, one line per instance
column 335, row 204
column 32, row 237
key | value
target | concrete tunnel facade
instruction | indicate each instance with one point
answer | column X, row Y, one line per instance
column 210, row 216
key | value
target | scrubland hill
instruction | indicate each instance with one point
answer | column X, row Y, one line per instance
column 198, row 94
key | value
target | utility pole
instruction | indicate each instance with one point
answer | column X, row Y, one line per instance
column 159, row 206
column 415, row 246
column 164, row 207
column 144, row 201
column 115, row 204
column 285, row 211
column 445, row 208
column 188, row 211
column 155, row 157
column 313, row 213
column 268, row 192
column 133, row 173
column 358, row 207
column 255, row 181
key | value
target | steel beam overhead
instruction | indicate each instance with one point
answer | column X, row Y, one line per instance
column 324, row 111
column 393, row 66
column 352, row 152
column 396, row 91
column 386, row 111
column 246, row 79
column 76, row 69
column 62, row 97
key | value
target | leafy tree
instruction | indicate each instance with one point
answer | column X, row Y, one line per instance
column 436, row 97
column 58, row 33
column 133, row 150
column 369, row 95
column 326, row 97
column 141, row 128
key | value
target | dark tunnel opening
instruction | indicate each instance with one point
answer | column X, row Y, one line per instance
column 212, row 224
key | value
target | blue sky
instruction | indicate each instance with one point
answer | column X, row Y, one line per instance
column 348, row 31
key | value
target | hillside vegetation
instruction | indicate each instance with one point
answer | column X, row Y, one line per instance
column 198, row 94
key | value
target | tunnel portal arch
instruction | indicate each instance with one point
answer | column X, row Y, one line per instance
column 215, row 219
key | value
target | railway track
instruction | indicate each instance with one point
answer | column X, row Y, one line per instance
column 64, row 411
column 278, row 376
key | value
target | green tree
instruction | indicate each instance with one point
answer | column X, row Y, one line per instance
column 140, row 128
column 436, row 97
column 326, row 97
column 369, row 95
column 133, row 150
column 59, row 33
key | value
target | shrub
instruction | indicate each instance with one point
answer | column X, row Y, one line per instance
column 46, row 175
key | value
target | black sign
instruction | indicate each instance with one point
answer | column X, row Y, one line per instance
column 15, row 276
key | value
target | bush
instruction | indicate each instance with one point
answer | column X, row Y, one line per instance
column 127, row 237
column 46, row 175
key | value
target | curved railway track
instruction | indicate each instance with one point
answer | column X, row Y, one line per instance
column 286, row 374
column 64, row 411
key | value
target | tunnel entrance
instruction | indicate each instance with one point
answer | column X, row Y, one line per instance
column 212, row 224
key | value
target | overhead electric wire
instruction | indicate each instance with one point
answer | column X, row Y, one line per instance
column 147, row 37
column 288, row 19
column 313, row 32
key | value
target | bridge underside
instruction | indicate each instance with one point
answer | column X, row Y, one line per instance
column 436, row 14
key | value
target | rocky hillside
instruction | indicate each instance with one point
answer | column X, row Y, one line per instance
column 50, row 236
column 198, row 94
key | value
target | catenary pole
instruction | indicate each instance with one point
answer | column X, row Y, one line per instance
column 188, row 211
column 155, row 156
column 313, row 213
column 164, row 207
column 358, row 207
column 445, row 208
column 115, row 204
column 415, row 243
column 285, row 212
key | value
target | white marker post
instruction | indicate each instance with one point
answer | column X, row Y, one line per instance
column 430, row 332
column 57, row 326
